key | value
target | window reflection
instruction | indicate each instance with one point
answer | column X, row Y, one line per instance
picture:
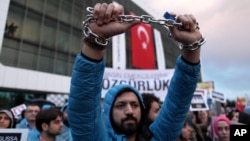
column 9, row 99
column 51, row 8
column 49, row 29
column 43, row 35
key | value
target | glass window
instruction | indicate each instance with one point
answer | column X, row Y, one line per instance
column 9, row 52
column 77, row 16
column 76, row 41
column 65, row 11
column 61, row 64
column 10, row 99
column 31, row 28
column 28, row 56
column 10, row 43
column 35, row 4
column 63, row 38
column 49, row 33
column 15, row 19
column 9, row 56
column 46, row 60
column 20, row 1
column 51, row 8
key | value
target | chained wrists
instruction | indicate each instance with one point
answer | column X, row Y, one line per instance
column 193, row 46
column 91, row 43
column 96, row 41
column 92, row 39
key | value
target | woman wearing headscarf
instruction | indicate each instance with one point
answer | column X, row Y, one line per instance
column 221, row 126
column 7, row 119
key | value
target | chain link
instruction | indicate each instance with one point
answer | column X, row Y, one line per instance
column 147, row 19
column 195, row 45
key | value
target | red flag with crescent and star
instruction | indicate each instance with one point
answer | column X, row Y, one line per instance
column 143, row 50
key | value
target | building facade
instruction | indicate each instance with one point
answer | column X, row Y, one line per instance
column 40, row 39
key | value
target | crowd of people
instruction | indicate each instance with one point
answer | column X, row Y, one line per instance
column 51, row 123
column 46, row 123
column 127, row 114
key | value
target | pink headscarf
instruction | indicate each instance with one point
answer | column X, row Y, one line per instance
column 220, row 118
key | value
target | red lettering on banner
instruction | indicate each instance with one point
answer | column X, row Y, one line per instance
column 143, row 52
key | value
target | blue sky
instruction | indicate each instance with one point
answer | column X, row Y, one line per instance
column 225, row 24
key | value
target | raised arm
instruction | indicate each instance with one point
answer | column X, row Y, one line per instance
column 170, row 120
column 86, row 83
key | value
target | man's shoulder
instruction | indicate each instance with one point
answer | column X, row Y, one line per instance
column 22, row 124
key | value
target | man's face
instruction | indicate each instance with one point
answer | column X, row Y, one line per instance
column 31, row 112
column 154, row 110
column 4, row 120
column 55, row 127
column 126, row 113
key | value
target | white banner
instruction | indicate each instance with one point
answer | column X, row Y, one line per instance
column 14, row 134
column 148, row 81
column 17, row 110
column 159, row 50
column 119, row 51
column 217, row 96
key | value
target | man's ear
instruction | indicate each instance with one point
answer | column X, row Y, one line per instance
column 45, row 126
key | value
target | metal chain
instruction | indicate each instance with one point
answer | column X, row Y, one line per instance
column 147, row 19
column 195, row 45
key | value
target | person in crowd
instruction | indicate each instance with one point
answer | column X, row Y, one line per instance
column 203, row 120
column 221, row 128
column 192, row 122
column 223, row 110
column 152, row 106
column 233, row 115
column 203, row 116
column 7, row 119
column 187, row 132
column 247, row 110
column 29, row 120
column 49, row 124
column 237, row 116
column 66, row 134
column 123, row 104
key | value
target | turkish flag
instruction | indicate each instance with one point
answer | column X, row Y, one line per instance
column 143, row 50
column 239, row 105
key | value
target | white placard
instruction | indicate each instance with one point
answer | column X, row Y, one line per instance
column 14, row 134
column 199, row 101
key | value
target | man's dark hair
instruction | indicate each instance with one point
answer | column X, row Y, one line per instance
column 33, row 104
column 148, row 99
column 46, row 116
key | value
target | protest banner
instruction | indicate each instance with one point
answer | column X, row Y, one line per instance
column 14, row 134
column 148, row 81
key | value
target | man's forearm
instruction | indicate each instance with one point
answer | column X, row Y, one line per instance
column 90, row 51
